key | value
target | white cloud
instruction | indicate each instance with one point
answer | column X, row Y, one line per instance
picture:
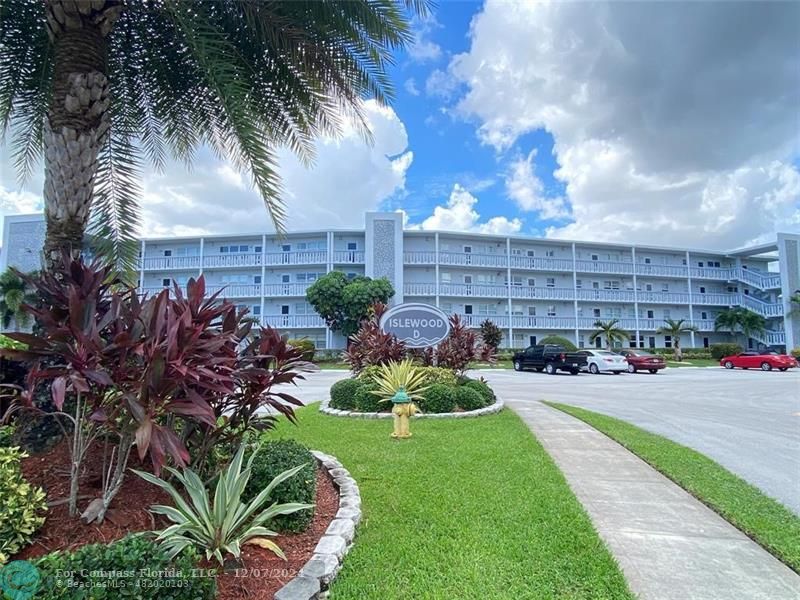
column 441, row 84
column 667, row 126
column 423, row 49
column 411, row 86
column 460, row 215
column 347, row 178
column 527, row 190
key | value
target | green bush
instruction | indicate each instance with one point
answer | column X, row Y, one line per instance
column 483, row 389
column 273, row 458
column 726, row 349
column 438, row 398
column 6, row 436
column 366, row 401
column 343, row 393
column 306, row 345
column 22, row 506
column 468, row 398
column 120, row 570
column 796, row 352
column 439, row 375
column 558, row 340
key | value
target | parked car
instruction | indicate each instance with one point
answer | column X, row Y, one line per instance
column 766, row 361
column 639, row 360
column 604, row 361
column 549, row 358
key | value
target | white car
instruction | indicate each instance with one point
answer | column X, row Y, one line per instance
column 603, row 361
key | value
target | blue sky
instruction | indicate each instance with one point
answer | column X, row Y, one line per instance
column 659, row 122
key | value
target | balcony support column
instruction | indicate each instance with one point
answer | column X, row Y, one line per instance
column 436, row 265
column 328, row 269
column 635, row 295
column 200, row 267
column 508, row 294
column 141, row 268
column 575, row 293
column 263, row 275
column 691, row 310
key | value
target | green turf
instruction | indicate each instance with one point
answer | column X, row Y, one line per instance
column 765, row 520
column 694, row 362
column 470, row 508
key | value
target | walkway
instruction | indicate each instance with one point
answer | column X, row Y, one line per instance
column 668, row 544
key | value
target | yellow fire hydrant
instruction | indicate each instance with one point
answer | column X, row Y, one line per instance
column 402, row 410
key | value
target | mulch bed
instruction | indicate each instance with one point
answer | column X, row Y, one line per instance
column 259, row 576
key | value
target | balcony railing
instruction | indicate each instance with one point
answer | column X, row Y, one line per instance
column 427, row 257
column 473, row 290
column 171, row 263
column 606, row 295
column 661, row 270
column 298, row 257
column 536, row 263
column 231, row 260
column 765, row 309
column 285, row 289
column 472, row 259
column 419, row 289
column 293, row 321
column 663, row 297
column 603, row 266
column 235, row 290
column 716, row 299
column 348, row 257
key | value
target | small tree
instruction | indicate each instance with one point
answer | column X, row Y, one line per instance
column 491, row 334
column 740, row 319
column 461, row 347
column 675, row 329
column 371, row 346
column 15, row 292
column 344, row 303
column 610, row 331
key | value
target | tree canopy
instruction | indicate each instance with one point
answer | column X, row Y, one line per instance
column 345, row 302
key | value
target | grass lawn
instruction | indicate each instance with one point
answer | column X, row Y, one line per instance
column 694, row 362
column 333, row 366
column 765, row 520
column 470, row 508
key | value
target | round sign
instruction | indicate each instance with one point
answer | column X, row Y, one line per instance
column 417, row 325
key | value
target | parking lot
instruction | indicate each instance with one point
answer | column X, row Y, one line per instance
column 748, row 421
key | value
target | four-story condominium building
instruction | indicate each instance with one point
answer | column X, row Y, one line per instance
column 529, row 287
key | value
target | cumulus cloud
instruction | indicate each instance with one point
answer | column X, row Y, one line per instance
column 671, row 123
column 459, row 214
column 527, row 190
column 411, row 86
column 423, row 49
column 441, row 84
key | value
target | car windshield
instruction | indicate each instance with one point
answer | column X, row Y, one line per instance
column 642, row 354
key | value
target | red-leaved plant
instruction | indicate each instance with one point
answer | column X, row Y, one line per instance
column 371, row 346
column 145, row 370
column 461, row 347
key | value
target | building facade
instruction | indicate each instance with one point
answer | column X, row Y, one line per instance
column 529, row 287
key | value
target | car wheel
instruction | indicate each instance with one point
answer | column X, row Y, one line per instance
column 765, row 366
column 593, row 369
column 728, row 364
column 782, row 369
column 517, row 365
column 549, row 369
column 631, row 368
column 574, row 371
column 653, row 371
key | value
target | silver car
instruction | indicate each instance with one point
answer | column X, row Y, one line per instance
column 603, row 361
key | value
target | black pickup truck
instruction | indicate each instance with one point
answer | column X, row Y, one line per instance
column 549, row 358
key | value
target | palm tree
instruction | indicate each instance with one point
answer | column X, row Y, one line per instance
column 752, row 324
column 794, row 303
column 675, row 329
column 14, row 292
column 728, row 320
column 610, row 331
column 98, row 87
column 740, row 319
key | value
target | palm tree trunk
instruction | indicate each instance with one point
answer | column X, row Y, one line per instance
column 678, row 351
column 77, row 120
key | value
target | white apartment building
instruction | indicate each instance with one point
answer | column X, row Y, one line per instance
column 529, row 287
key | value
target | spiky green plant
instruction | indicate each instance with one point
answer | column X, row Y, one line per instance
column 611, row 331
column 675, row 329
column 224, row 524
column 395, row 375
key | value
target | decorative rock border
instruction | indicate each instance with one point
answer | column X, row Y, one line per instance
column 325, row 408
column 316, row 575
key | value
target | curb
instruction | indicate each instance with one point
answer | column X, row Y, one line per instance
column 498, row 405
column 315, row 577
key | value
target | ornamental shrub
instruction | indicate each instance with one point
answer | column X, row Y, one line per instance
column 560, row 341
column 273, row 458
column 305, row 345
column 796, row 352
column 438, row 398
column 483, row 389
column 468, row 399
column 133, row 567
column 367, row 401
column 725, row 349
column 343, row 393
column 22, row 506
column 439, row 375
column 6, row 436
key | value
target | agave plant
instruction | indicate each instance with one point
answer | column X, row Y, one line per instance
column 395, row 375
column 224, row 524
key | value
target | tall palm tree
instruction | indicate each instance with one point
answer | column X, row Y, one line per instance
column 739, row 319
column 752, row 324
column 14, row 292
column 728, row 320
column 675, row 329
column 610, row 331
column 794, row 303
column 96, row 87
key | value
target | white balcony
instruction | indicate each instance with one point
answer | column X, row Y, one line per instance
column 293, row 321
column 473, row 290
column 476, row 320
column 765, row 309
column 298, row 257
column 285, row 289
column 606, row 295
column 535, row 263
column 348, row 257
column 529, row 322
column 215, row 261
column 473, row 259
column 661, row 270
column 775, row 338
column 171, row 263
column 663, row 297
column 718, row 274
column 419, row 258
column 603, row 266
column 419, row 289
column 715, row 299
column 235, row 290
column 704, row 324
column 542, row 293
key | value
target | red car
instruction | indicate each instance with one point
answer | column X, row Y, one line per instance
column 639, row 360
column 766, row 361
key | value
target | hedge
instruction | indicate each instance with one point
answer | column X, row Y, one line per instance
column 727, row 349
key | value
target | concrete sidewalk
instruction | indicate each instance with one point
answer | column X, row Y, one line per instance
column 668, row 544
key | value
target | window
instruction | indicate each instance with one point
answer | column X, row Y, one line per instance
column 651, row 342
column 581, row 341
column 167, row 252
column 704, row 315
column 732, row 289
column 286, row 278
column 490, row 279
column 531, row 253
column 595, row 257
column 648, row 287
column 702, row 290
column 284, row 309
column 580, row 311
column 531, row 282
column 223, row 249
column 446, row 307
column 596, row 313
column 650, row 314
column 705, row 342
column 256, row 279
column 258, row 249
column 714, row 263
column 551, row 311
column 551, row 282
column 467, row 249
column 516, row 280
column 611, row 285
column 244, row 248
column 550, row 253
column 256, row 309
column 595, row 285
column 647, row 260
column 667, row 341
column 531, row 311
column 700, row 264
column 446, row 277
column 516, row 310
column 683, row 262
column 516, row 252
column 468, row 309
column 664, row 287
column 578, row 283
column 352, row 275
column 467, row 279
column 190, row 251
column 303, row 308
column 286, row 247
column 487, row 309
column 532, row 340
column 165, row 282
column 352, row 245
column 632, row 341
column 300, row 277
column 614, row 313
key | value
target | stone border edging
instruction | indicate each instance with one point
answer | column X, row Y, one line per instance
column 325, row 408
column 316, row 575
